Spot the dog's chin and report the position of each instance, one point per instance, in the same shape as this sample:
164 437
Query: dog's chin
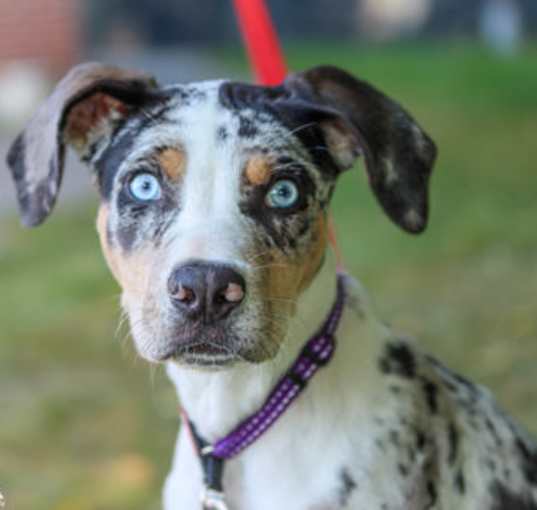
199 353
211 350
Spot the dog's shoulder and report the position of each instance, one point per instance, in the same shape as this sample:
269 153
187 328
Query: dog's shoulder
466 439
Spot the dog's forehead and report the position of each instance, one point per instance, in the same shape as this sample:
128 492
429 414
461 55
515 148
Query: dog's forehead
200 113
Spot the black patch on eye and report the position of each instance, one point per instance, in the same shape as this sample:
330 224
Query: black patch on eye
144 220
398 359
279 223
123 140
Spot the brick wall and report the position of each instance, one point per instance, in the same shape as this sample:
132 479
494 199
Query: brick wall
44 31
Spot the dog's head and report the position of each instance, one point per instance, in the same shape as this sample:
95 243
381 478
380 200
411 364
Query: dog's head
215 194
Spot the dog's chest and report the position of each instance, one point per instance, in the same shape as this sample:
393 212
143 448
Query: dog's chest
311 472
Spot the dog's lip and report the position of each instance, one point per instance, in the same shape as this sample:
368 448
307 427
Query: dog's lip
196 349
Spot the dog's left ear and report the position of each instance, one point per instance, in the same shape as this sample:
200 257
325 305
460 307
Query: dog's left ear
82 111
399 155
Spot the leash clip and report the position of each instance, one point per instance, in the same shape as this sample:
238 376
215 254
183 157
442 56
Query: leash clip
213 500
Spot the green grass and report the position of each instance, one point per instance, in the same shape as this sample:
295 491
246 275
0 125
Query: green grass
84 425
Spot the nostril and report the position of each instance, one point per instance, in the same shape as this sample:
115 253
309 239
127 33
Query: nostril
183 294
233 293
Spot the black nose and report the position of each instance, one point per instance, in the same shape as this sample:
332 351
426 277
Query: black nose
206 291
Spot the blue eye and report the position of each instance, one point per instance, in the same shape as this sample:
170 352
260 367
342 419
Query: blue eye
283 194
145 187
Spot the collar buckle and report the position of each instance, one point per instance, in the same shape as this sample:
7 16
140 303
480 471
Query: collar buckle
213 500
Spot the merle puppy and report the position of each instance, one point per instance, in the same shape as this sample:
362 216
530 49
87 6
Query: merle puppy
213 219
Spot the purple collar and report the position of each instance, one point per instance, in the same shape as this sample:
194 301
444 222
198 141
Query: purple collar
316 353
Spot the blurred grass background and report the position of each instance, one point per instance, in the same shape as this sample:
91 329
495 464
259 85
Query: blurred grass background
84 425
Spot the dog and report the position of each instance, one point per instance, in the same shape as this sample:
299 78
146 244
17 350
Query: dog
213 219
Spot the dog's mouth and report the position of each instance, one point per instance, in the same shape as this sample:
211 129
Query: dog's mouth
203 350
196 351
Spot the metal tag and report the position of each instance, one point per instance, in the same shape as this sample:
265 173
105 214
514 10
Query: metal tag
213 500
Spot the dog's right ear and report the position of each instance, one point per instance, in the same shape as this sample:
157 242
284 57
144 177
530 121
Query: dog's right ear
82 111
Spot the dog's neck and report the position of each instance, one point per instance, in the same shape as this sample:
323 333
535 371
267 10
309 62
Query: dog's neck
217 401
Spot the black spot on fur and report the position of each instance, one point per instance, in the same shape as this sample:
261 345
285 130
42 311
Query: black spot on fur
431 395
494 433
380 444
346 487
15 158
399 360
394 437
491 465
247 128
433 494
460 482
421 440
529 461
453 441
403 470
505 499
222 133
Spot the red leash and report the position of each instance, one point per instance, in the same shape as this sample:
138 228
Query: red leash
261 41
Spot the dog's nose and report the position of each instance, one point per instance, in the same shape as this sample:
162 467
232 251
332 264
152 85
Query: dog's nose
208 291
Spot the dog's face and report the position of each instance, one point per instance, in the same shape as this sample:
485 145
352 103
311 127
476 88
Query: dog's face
215 194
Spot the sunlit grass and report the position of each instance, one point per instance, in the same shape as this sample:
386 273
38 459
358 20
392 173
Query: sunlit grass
84 425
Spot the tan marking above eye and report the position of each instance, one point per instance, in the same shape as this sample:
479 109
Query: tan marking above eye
172 161
258 170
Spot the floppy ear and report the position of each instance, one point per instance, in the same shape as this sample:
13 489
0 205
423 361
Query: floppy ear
82 110
399 156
